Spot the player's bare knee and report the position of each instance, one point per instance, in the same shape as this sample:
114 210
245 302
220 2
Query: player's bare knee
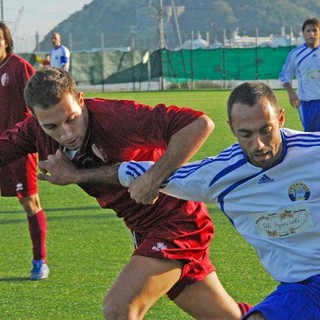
114 310
31 205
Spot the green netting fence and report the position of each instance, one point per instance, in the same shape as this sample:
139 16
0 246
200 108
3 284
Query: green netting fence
93 68
224 64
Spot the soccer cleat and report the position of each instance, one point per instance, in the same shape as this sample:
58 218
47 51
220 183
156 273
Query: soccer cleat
40 270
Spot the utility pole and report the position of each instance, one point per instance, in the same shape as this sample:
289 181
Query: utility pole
161 35
2 14
37 42
176 22
161 43
16 25
102 59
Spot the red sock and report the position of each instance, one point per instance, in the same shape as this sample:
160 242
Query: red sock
244 307
38 232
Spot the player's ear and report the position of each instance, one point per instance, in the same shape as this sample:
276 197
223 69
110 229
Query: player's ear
281 118
81 98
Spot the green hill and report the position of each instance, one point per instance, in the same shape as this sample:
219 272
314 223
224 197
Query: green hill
134 23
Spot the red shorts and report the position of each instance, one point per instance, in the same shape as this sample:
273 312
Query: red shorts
19 178
183 238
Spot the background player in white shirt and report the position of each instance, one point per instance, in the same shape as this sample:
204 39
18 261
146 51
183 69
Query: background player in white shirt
60 55
303 63
267 184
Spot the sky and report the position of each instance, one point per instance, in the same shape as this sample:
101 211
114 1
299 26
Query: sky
25 18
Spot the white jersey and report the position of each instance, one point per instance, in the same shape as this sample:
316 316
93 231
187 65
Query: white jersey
304 64
60 56
276 210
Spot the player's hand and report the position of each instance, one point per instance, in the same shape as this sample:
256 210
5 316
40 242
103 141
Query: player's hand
294 99
57 169
143 191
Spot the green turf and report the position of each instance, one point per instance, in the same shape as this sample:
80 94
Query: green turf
88 246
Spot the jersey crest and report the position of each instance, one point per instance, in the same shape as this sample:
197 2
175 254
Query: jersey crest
99 152
299 191
5 79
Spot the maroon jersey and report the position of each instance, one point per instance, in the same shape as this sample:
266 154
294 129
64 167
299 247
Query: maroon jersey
120 131
18 178
14 74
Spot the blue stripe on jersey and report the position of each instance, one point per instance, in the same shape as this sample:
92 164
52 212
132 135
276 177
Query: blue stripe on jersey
304 146
185 171
303 140
300 48
230 150
233 186
227 170
304 57
130 174
302 135
136 169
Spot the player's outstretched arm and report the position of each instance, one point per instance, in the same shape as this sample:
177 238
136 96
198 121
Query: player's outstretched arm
59 170
190 182
182 146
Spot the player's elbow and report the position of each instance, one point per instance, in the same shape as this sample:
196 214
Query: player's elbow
207 124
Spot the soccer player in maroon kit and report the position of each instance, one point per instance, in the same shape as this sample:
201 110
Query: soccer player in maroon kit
83 137
20 177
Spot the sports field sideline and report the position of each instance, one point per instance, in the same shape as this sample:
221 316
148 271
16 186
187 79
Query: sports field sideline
85 265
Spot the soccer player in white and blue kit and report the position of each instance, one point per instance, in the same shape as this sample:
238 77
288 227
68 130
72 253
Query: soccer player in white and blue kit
267 184
60 55
303 63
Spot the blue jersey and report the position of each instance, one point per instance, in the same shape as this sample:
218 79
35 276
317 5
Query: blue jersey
277 210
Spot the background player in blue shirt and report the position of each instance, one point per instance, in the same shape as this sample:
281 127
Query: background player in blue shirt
303 63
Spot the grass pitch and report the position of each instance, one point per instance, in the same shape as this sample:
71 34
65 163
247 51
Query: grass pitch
88 246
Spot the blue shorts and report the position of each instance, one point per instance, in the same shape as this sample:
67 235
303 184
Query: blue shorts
309 112
294 301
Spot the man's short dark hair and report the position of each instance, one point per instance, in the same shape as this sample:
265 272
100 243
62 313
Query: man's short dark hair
250 93
48 86
311 21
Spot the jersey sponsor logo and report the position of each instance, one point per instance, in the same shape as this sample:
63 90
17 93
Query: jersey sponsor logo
4 79
313 74
160 246
288 222
299 191
265 179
